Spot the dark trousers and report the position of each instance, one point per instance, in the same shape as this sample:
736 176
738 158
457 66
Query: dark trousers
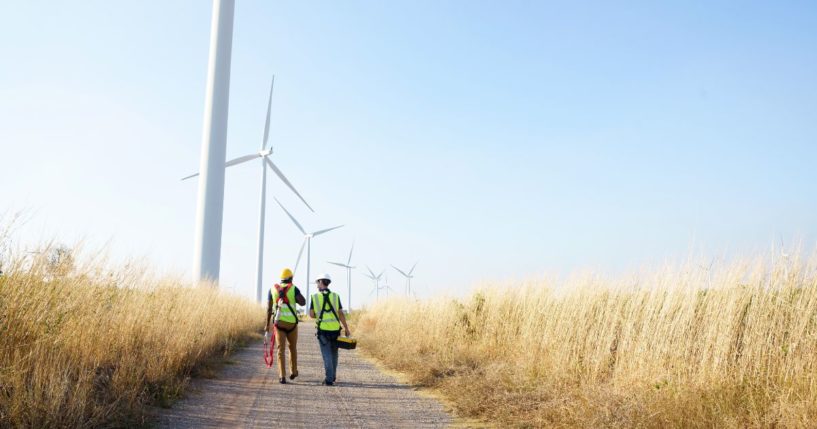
329 352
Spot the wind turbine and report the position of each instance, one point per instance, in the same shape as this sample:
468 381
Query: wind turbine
307 242
210 204
376 279
386 286
263 155
349 269
408 277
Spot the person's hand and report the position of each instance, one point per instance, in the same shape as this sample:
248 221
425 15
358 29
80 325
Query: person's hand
347 332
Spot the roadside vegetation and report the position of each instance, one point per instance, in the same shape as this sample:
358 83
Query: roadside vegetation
686 347
86 346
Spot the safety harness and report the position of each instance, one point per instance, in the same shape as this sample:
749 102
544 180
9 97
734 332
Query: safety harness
326 302
282 297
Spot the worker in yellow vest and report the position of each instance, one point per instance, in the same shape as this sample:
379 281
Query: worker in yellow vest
326 309
282 317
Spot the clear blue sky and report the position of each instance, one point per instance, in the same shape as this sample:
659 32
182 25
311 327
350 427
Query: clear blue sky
488 140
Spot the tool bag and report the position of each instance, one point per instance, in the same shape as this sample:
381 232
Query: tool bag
346 343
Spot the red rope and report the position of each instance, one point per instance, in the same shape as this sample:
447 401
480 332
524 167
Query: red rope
268 351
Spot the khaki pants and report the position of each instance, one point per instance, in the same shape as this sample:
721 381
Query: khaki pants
282 337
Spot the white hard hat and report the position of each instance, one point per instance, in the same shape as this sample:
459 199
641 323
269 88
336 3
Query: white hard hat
326 277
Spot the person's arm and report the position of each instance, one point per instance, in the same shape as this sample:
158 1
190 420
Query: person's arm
343 321
299 298
311 309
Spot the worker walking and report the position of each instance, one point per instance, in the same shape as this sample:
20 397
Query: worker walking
281 304
326 309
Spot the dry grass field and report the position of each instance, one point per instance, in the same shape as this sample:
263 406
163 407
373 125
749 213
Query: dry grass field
686 347
87 347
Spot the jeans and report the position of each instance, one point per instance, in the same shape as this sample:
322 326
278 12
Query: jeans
329 352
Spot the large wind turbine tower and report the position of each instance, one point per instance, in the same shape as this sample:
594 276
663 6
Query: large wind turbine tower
210 206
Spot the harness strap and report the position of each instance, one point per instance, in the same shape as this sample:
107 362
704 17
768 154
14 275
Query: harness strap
326 301
286 330
320 316
283 297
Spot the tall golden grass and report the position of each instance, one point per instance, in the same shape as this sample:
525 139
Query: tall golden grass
87 347
680 348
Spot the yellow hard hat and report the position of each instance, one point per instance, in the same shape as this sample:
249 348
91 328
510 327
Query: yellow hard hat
286 274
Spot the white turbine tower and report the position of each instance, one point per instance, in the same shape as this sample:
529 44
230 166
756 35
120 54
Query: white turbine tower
408 277
210 205
376 279
307 242
349 269
263 155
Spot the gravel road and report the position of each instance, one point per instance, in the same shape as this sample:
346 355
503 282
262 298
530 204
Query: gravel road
246 394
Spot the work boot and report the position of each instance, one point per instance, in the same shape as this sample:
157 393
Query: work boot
293 375
283 380
327 383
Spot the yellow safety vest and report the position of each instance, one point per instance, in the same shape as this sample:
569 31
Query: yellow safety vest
282 310
324 316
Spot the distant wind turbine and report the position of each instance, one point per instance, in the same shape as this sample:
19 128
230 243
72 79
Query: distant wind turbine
307 242
408 277
386 286
263 154
349 269
376 279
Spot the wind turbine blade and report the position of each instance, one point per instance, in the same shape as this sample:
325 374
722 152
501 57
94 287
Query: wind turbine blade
317 233
400 271
290 216
381 274
338 264
300 252
286 182
269 112
241 159
413 267
229 163
349 261
370 272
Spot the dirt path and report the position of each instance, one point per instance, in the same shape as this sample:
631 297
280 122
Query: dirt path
246 394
